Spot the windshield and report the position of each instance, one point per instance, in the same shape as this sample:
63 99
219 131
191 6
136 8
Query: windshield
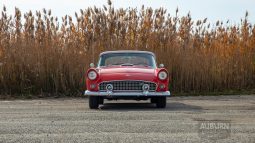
127 59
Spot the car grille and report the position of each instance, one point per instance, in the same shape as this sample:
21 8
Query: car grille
127 85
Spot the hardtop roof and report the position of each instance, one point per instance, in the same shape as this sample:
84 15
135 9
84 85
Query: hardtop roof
127 51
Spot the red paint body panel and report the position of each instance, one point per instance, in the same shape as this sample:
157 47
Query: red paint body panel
127 73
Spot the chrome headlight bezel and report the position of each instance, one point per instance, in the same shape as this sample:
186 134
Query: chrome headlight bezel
162 75
92 75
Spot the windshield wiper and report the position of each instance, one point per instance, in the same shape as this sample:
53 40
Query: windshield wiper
127 64
142 65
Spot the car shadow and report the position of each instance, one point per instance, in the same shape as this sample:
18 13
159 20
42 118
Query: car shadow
172 106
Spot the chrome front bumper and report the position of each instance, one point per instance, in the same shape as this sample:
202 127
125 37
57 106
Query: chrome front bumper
92 93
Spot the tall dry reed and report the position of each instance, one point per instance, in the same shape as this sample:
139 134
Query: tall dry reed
40 53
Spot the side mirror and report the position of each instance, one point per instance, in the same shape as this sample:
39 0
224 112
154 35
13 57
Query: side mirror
161 65
92 65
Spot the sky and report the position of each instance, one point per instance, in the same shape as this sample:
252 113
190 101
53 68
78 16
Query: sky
224 10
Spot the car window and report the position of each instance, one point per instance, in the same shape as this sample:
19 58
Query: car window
127 59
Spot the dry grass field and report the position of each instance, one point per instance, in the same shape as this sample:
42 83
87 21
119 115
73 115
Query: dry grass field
40 53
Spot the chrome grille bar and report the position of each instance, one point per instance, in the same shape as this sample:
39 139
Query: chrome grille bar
127 85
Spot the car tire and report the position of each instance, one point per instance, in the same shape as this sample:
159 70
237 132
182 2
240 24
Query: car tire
161 102
93 102
101 100
153 100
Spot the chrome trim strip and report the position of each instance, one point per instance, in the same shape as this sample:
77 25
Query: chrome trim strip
93 93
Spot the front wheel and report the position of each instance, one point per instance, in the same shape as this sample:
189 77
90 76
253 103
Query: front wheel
153 100
93 102
161 102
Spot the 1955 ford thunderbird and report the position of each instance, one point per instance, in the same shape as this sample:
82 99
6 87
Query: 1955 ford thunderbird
127 75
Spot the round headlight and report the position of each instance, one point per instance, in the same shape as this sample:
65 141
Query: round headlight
162 75
92 75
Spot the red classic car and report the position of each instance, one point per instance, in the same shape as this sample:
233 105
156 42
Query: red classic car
127 75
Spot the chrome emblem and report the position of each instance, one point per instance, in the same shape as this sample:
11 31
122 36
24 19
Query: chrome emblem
109 87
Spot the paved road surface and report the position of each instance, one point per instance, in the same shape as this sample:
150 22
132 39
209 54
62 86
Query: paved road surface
186 119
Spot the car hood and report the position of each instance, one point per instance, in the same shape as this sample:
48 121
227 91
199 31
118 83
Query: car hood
127 73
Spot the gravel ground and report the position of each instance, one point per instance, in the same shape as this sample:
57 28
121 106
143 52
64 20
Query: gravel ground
186 119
